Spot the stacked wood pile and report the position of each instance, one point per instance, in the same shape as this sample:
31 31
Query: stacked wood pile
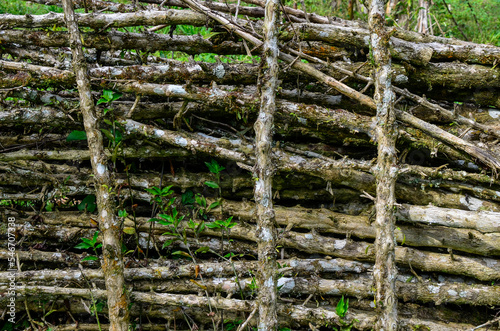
186 128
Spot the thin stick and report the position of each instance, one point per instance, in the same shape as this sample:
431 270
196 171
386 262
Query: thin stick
454 21
242 326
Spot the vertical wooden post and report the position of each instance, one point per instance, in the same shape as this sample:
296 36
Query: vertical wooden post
386 172
264 171
109 224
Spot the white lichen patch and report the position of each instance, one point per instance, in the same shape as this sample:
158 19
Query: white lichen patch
340 244
219 71
101 169
471 202
182 142
286 285
434 289
176 89
491 263
308 236
217 281
401 79
269 282
494 113
159 133
159 91
452 293
266 235
194 68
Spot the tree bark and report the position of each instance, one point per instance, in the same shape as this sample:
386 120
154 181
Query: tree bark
386 173
263 172
109 224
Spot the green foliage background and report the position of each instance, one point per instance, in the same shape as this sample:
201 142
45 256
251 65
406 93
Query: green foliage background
486 30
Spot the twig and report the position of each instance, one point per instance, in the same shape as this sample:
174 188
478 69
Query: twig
242 326
487 323
454 21
136 102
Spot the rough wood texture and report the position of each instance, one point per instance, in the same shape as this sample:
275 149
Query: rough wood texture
109 224
386 173
263 172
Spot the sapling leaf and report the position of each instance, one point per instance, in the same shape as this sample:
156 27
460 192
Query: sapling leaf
129 230
212 184
83 246
90 258
202 250
89 203
76 135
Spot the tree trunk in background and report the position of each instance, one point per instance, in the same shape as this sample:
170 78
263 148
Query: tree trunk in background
386 173
108 222
264 171
423 16
391 7
350 9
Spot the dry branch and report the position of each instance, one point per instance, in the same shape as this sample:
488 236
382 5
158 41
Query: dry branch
483 155
101 20
355 286
482 268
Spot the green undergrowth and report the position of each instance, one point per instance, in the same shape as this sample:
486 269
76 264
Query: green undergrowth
478 19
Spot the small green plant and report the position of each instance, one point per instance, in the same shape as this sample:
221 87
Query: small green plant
90 243
203 207
216 169
231 325
341 310
109 96
342 307
88 204
161 197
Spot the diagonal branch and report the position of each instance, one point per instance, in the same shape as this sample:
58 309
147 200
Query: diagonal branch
484 156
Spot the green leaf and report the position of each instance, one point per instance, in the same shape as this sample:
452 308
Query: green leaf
76 135
202 250
88 242
213 225
181 253
129 230
213 205
188 198
83 246
212 184
108 134
214 167
342 307
210 35
89 202
116 96
118 136
90 258
94 238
